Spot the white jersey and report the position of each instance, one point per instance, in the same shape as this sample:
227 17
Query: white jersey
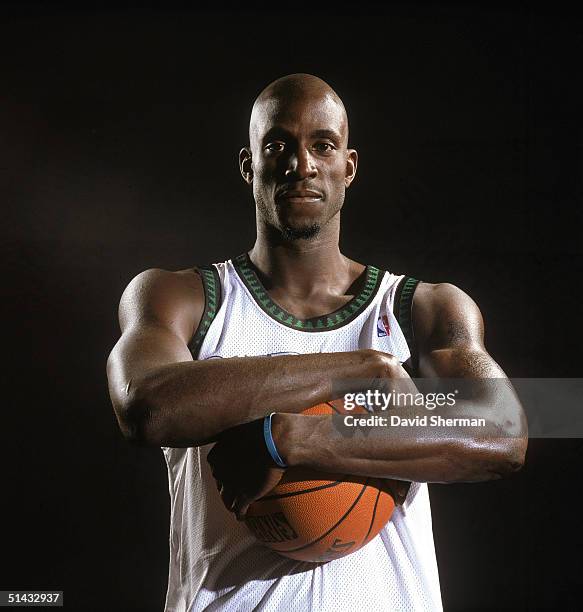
216 564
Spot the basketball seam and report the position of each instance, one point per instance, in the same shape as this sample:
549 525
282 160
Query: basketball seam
374 512
292 493
333 408
354 503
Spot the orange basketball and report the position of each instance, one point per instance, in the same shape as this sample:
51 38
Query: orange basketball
316 516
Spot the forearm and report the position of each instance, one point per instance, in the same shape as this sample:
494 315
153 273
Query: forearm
417 453
190 403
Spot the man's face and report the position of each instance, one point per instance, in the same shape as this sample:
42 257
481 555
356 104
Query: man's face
298 163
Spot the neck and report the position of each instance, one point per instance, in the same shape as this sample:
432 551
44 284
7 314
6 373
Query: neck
303 266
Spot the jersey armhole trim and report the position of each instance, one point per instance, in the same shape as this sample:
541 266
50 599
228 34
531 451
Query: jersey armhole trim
212 300
403 309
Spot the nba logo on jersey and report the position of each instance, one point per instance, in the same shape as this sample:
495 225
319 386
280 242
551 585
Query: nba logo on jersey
383 327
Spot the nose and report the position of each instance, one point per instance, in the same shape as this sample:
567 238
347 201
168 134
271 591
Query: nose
300 166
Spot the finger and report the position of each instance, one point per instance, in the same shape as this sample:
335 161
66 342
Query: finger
229 499
241 510
402 491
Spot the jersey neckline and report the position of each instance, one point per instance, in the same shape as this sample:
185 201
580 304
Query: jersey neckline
334 320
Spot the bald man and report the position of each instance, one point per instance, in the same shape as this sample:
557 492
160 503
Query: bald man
207 354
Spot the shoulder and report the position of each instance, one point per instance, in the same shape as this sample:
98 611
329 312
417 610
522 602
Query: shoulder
444 315
169 298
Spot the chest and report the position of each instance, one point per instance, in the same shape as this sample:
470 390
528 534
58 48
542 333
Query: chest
246 326
309 307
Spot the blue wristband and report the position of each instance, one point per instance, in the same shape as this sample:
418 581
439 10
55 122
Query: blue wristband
270 443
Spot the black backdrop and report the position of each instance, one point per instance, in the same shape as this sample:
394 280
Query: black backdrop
120 130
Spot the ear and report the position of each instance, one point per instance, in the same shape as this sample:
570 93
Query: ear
246 165
351 164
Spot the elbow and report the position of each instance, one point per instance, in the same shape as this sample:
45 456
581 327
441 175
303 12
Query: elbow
498 459
501 456
480 460
131 431
133 400
511 448
512 456
135 420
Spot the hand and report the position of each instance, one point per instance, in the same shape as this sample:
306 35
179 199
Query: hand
242 467
398 490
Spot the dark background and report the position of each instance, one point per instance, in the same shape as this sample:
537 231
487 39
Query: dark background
119 132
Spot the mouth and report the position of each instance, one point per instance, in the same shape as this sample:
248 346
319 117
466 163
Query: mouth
300 196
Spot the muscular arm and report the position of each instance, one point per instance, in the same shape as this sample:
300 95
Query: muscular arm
162 397
449 330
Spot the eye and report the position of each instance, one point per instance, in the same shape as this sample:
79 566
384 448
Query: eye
274 147
324 147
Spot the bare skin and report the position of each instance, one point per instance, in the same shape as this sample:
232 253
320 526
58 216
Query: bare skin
299 166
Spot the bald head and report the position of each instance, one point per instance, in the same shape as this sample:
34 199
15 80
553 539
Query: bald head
293 90
298 162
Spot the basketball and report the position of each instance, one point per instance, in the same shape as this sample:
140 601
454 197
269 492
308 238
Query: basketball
316 516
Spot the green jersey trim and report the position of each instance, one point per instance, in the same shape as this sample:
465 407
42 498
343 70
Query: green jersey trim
402 309
212 300
328 322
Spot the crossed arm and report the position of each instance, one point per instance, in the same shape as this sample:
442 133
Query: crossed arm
450 332
162 397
